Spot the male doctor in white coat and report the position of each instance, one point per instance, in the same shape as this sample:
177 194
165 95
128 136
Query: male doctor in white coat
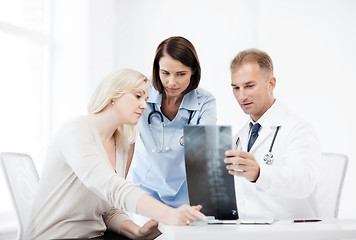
276 156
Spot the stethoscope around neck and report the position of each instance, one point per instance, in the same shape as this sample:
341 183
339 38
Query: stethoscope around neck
268 158
159 148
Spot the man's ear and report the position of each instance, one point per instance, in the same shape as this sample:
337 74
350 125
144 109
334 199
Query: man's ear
271 84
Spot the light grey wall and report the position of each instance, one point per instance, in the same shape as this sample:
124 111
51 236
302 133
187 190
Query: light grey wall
312 44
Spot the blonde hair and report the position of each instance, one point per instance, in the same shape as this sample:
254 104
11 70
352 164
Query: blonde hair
113 86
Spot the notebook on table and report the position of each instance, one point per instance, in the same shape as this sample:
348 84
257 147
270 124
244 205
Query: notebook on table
209 183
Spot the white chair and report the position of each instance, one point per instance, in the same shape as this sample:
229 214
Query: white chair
22 180
327 194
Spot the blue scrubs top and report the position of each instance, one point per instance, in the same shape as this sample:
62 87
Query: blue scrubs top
162 174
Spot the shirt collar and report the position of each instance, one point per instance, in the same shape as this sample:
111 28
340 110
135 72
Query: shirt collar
189 102
155 96
274 116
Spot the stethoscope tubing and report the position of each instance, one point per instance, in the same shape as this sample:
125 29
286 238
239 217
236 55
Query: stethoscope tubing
149 119
271 146
154 111
274 138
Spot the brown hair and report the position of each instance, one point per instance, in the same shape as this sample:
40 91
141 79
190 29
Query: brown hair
263 60
182 50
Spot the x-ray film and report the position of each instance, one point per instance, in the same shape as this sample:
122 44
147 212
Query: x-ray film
209 183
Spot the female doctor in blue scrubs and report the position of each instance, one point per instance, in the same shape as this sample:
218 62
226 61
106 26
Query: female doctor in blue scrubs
175 100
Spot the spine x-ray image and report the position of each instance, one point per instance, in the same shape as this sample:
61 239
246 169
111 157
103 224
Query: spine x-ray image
209 183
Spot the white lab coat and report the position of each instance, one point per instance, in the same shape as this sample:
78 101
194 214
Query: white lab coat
283 188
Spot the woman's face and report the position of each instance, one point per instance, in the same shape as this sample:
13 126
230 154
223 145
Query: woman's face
131 105
174 75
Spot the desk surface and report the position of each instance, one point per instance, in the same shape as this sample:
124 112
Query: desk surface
332 229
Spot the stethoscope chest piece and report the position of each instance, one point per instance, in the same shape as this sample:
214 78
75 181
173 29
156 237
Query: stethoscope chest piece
160 149
268 158
181 141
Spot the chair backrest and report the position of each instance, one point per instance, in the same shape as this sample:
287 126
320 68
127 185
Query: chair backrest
22 180
327 193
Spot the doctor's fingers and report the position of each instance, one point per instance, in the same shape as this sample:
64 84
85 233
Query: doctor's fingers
248 155
242 167
236 172
233 160
232 153
249 175
237 167
249 167
238 160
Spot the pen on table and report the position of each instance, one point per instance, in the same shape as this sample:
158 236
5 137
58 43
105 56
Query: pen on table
306 220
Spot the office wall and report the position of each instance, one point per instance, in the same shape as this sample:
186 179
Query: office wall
83 50
312 44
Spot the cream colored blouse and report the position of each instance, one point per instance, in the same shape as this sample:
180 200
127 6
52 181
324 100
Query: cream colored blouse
79 194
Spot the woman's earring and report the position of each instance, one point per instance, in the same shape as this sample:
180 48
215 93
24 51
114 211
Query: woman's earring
112 102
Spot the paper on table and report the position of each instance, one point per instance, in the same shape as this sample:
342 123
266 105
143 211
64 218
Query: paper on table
257 221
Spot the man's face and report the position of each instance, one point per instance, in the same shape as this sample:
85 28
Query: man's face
252 89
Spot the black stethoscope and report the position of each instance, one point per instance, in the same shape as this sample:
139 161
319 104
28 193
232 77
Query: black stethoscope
268 158
149 119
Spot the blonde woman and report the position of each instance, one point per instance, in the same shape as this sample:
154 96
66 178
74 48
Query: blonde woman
83 192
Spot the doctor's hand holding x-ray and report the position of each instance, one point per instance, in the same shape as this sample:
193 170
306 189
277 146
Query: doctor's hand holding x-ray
276 154
242 164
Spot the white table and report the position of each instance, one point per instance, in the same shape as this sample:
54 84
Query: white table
328 229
